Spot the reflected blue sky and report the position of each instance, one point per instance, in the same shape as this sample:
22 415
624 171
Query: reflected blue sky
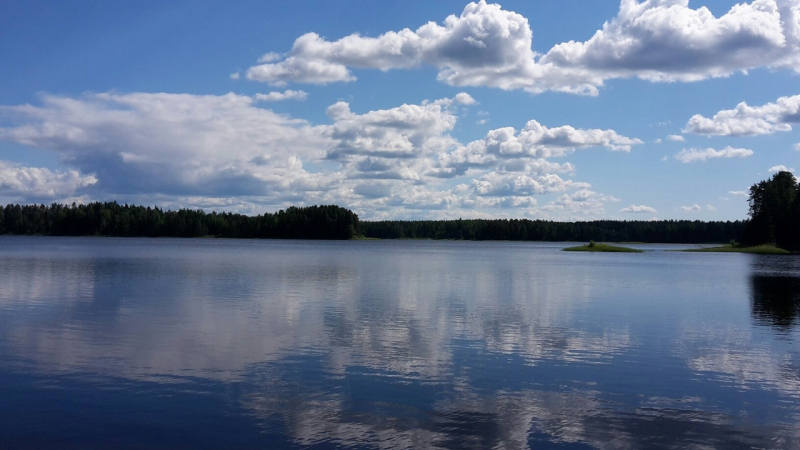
210 343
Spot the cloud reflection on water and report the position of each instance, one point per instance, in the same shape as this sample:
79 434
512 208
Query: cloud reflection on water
405 346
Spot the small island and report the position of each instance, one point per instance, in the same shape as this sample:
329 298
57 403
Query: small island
765 249
593 247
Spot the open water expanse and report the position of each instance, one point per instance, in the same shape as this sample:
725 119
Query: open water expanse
202 343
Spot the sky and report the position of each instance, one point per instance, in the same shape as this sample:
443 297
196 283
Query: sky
568 110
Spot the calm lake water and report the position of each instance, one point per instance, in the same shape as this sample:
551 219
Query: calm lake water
167 343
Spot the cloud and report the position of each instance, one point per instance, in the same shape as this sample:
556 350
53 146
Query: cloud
797 147
665 41
403 132
638 209
226 152
39 183
536 139
496 184
655 40
780 168
693 208
747 120
269 57
528 148
710 208
464 99
580 204
280 96
694 155
485 45
234 76
738 193
173 144
675 138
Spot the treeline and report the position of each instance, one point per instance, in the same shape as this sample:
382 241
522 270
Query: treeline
333 222
775 213
774 219
663 231
113 219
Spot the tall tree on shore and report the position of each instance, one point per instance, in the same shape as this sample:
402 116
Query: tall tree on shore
774 212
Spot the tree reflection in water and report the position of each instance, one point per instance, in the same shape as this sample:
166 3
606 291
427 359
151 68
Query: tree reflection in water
775 299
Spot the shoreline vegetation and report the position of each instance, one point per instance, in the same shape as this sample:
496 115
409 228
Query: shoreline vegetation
605 248
334 222
115 220
765 249
771 230
774 216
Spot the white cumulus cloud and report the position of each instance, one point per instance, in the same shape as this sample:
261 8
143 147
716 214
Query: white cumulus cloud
692 208
694 155
666 40
536 139
580 204
655 40
529 147
780 168
41 183
675 138
746 120
225 151
280 96
401 132
173 144
639 209
464 99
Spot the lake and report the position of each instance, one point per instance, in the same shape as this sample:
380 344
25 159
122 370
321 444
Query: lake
212 343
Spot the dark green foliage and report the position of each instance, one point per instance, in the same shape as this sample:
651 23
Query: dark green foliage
664 231
333 222
765 249
774 213
602 248
112 219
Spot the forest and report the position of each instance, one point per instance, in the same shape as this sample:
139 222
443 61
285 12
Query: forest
662 231
113 219
333 222
774 219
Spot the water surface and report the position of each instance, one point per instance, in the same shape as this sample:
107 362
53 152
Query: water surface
169 343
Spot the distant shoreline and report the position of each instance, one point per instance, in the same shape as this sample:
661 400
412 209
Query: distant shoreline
355 239
334 222
712 247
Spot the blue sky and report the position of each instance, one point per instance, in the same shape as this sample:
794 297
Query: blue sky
568 110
